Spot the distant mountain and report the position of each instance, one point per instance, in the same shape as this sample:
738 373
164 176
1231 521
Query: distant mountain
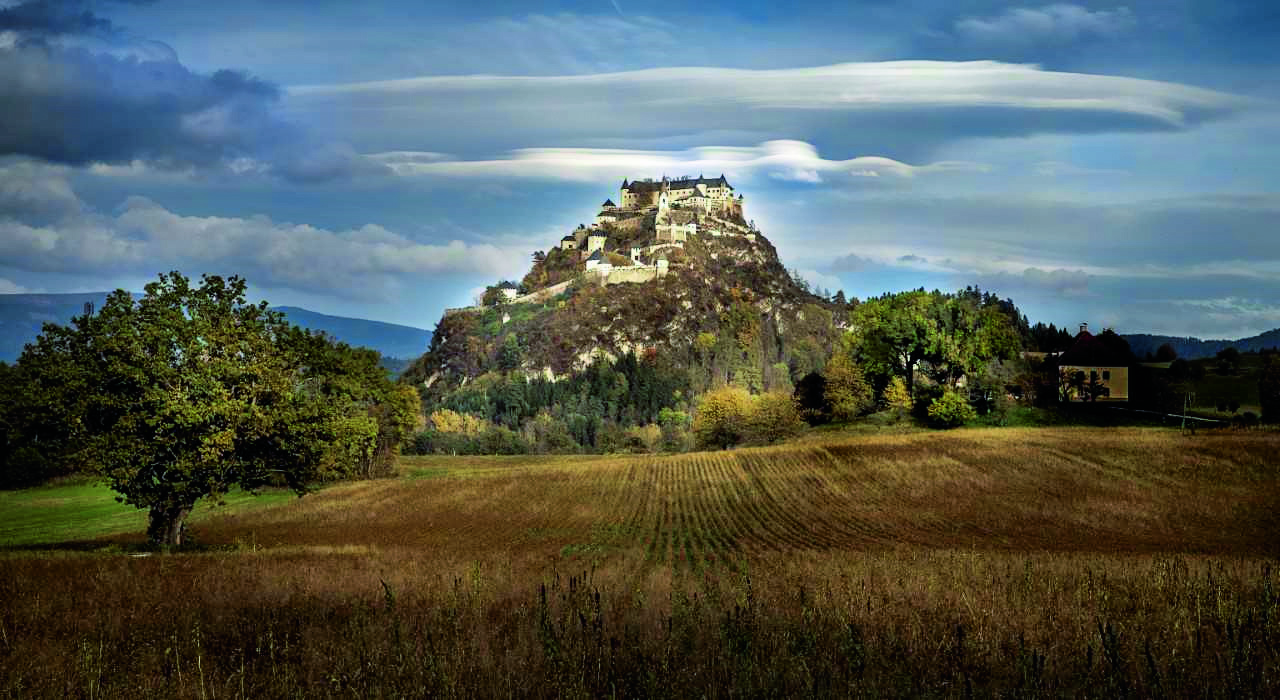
1194 348
390 339
23 315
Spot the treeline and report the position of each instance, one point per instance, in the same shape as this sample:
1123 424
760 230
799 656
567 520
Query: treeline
629 403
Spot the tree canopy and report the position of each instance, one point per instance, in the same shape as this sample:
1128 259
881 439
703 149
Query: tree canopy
952 336
189 391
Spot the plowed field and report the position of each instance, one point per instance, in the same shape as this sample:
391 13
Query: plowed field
1070 490
1010 563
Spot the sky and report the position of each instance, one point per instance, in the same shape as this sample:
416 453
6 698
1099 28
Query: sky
1105 162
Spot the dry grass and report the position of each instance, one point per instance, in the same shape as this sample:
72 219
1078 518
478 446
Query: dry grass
1016 561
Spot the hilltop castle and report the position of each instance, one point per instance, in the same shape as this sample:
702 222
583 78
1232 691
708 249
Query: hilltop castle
709 195
673 207
641 239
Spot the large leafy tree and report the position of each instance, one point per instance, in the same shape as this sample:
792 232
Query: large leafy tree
953 336
189 391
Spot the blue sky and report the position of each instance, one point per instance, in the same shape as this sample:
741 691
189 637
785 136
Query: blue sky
1109 162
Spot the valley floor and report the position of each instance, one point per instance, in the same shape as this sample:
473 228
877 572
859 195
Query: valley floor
1076 561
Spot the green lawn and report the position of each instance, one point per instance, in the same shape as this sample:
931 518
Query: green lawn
79 510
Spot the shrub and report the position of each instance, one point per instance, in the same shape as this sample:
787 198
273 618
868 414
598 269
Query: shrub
774 416
721 420
897 397
951 410
847 393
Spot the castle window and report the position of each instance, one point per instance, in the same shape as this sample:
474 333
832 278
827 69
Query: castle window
1106 375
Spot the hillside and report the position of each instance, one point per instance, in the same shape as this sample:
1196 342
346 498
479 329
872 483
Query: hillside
23 315
720 307
1195 348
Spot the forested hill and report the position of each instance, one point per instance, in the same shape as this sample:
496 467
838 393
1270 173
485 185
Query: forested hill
1194 348
23 315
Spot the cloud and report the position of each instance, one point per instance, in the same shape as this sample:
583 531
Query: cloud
52 18
845 106
782 159
1234 311
821 280
35 191
10 287
1059 23
73 92
142 237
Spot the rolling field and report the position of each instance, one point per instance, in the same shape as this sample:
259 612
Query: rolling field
1056 561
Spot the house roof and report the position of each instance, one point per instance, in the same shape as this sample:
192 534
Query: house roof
1089 351
608 203
598 255
681 184
597 233
568 238
508 285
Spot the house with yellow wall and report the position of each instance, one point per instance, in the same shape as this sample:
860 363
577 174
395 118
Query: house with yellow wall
1091 370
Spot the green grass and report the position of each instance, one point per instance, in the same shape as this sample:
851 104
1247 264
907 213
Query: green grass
80 510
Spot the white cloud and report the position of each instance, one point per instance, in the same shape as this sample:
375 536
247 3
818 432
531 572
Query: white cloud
784 160
10 287
34 189
841 101
368 262
821 280
1058 23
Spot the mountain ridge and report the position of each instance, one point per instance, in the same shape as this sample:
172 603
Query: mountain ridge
23 315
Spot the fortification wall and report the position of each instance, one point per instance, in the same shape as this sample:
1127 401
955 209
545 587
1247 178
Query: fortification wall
627 225
622 275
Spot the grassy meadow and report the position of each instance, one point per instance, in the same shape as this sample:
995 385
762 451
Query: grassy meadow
1019 561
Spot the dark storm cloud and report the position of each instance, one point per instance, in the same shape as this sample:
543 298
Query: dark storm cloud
75 106
68 95
42 18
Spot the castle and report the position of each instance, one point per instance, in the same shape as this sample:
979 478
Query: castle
677 206
637 240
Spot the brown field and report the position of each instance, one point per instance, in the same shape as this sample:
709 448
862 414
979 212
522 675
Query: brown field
1024 562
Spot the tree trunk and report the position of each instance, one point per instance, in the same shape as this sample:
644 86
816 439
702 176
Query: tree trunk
168 524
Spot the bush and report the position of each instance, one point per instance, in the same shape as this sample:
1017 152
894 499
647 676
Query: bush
897 397
774 416
848 395
951 410
721 420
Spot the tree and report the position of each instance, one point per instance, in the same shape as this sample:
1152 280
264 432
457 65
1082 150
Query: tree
190 391
774 416
1166 353
847 393
1269 389
721 419
1228 360
953 336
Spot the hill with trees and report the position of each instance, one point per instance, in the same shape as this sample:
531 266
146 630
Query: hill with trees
726 348
1195 348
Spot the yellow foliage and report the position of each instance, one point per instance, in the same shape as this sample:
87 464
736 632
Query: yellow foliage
447 421
721 420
